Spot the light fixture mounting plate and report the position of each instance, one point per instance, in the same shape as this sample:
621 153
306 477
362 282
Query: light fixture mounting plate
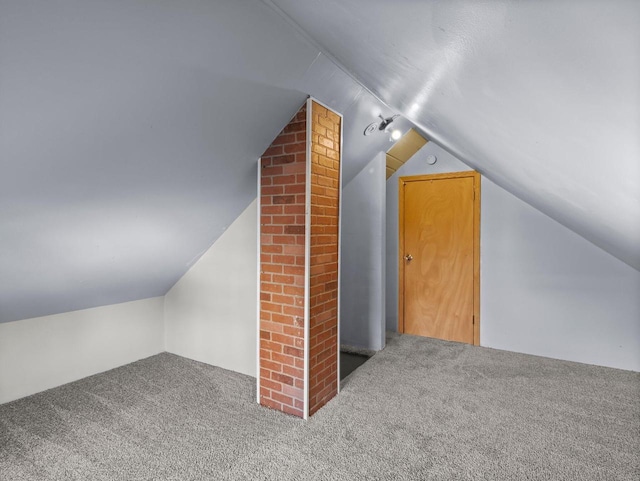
371 128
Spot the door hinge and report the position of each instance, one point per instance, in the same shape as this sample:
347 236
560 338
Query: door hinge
473 320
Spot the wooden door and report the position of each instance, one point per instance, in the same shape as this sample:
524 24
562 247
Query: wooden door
439 256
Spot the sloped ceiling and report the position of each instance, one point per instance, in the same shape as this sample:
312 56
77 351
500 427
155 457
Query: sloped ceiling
129 137
541 97
130 130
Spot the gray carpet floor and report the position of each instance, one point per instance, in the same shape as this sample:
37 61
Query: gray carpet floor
421 409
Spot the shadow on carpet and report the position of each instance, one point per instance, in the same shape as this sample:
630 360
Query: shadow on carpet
420 409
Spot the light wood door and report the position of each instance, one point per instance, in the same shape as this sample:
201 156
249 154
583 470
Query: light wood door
438 256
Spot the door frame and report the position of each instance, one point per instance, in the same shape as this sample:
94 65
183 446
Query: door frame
402 181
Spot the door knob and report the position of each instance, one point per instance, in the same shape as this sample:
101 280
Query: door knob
408 257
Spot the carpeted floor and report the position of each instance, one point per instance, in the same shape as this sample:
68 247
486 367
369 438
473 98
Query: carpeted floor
421 409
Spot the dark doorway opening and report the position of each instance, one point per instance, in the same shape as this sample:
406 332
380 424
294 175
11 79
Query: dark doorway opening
349 362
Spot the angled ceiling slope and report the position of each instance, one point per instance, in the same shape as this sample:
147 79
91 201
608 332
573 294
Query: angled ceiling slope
405 148
129 138
541 97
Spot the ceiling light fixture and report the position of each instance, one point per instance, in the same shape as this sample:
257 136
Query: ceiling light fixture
396 134
381 126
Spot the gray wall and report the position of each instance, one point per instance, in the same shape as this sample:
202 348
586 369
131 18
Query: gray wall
362 267
544 289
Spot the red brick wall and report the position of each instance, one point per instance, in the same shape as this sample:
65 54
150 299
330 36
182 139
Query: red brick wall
325 189
282 251
282 263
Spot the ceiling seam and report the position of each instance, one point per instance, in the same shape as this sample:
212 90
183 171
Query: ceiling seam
322 50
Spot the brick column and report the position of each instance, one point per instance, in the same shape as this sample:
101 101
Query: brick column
299 187
325 194
282 268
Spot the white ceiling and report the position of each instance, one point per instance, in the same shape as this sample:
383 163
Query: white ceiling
541 97
130 130
129 136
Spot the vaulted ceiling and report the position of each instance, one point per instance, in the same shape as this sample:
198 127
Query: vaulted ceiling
541 97
130 133
130 130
